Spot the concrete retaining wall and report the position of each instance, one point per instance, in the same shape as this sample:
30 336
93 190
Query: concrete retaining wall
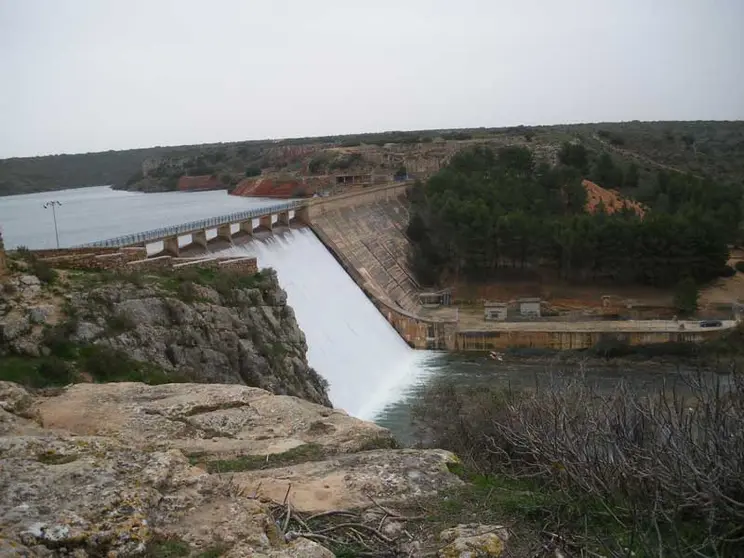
566 340
318 206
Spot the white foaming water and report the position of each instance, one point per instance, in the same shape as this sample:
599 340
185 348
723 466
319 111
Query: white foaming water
349 342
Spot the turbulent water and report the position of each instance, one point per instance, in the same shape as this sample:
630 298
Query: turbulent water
349 342
372 373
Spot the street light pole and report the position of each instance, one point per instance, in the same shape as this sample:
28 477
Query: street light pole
52 204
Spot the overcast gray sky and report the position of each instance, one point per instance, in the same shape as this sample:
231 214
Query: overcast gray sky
91 75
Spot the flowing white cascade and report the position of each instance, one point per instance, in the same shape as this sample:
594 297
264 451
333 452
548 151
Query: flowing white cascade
350 344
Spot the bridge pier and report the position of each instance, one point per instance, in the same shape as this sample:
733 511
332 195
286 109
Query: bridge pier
283 219
170 246
224 232
199 238
302 215
265 222
247 227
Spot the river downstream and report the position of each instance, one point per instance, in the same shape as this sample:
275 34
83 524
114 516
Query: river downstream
474 371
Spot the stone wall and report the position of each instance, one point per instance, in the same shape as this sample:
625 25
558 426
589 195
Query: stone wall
157 263
57 252
243 266
135 258
95 261
206 263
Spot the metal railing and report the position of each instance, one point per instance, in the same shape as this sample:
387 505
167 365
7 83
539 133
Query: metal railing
193 226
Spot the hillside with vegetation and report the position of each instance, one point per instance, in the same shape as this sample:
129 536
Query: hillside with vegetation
491 210
705 149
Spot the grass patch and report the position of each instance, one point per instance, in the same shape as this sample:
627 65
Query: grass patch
379 442
167 548
300 454
214 551
51 457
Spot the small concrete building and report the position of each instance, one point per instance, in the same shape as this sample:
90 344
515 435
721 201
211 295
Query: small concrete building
529 307
495 311
433 300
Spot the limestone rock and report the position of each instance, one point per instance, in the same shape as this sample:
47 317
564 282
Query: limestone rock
15 399
28 286
345 481
86 332
248 336
473 541
107 476
216 420
41 313
13 325
28 280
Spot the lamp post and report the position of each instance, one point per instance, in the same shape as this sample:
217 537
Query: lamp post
52 204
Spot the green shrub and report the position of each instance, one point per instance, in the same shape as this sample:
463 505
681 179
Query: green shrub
24 253
728 271
42 270
57 339
187 291
119 323
36 372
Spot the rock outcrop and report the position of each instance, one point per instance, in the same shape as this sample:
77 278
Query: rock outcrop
243 333
126 469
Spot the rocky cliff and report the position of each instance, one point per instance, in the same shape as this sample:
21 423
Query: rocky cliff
127 469
200 326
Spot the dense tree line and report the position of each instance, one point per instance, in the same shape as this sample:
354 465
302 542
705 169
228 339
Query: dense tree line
488 210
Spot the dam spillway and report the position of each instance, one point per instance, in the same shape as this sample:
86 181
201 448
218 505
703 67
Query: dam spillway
349 342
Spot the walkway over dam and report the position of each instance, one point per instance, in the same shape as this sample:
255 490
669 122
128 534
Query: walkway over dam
247 222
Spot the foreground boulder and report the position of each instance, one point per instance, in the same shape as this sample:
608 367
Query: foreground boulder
126 469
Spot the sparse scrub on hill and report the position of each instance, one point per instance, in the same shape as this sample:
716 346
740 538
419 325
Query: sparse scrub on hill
611 474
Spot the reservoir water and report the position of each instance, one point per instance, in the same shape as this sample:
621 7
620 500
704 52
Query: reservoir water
97 213
372 373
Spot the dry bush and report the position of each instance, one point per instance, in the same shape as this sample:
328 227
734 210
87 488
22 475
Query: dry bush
666 468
